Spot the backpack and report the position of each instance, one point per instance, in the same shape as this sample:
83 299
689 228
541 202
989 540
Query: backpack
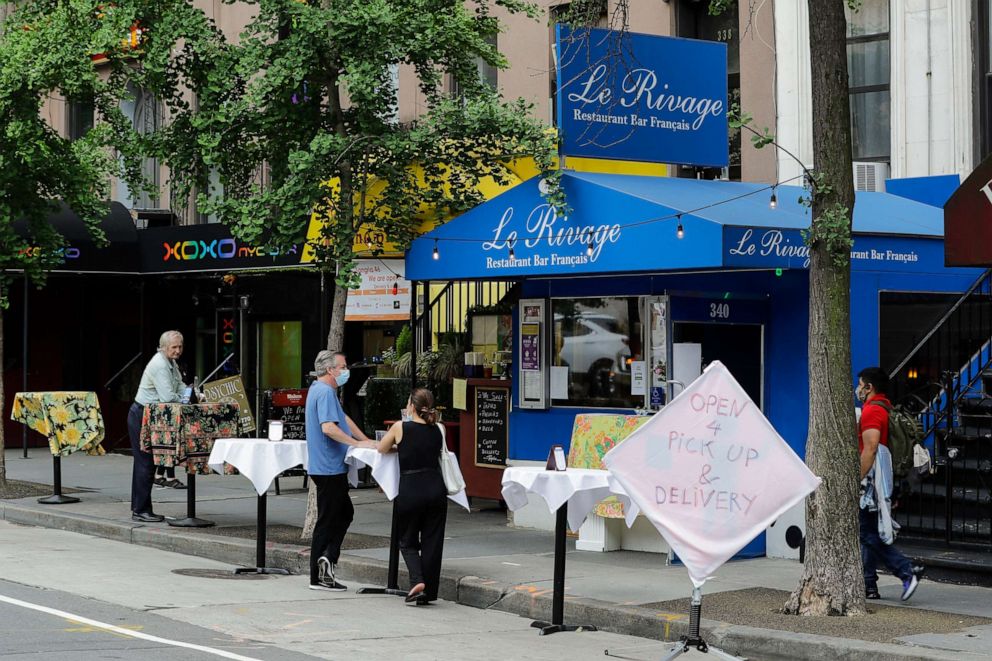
905 433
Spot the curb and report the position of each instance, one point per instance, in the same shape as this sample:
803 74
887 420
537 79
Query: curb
525 601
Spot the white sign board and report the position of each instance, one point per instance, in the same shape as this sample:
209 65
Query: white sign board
374 299
710 472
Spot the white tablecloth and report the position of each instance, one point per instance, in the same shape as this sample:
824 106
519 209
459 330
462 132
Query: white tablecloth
386 471
258 459
581 488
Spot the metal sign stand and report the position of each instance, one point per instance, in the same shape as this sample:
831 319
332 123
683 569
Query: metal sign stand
693 639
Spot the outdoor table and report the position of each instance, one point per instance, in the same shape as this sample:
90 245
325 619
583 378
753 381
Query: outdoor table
572 494
386 472
185 433
260 460
71 421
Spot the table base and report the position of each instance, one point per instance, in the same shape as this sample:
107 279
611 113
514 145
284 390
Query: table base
392 573
262 570
57 499
190 522
548 628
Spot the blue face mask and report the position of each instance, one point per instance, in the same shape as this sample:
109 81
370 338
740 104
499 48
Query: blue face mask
343 377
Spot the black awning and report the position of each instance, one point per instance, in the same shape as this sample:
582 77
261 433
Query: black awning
82 253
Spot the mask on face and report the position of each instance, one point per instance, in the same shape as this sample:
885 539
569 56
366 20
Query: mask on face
860 393
343 377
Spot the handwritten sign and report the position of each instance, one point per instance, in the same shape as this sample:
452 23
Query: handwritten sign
492 408
232 391
289 406
710 472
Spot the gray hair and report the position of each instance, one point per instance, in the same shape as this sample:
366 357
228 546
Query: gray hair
325 360
167 338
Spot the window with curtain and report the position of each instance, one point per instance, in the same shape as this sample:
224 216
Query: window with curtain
868 80
596 339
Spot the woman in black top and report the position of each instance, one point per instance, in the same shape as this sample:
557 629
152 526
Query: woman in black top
422 502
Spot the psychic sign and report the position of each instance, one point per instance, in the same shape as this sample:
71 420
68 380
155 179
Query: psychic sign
710 472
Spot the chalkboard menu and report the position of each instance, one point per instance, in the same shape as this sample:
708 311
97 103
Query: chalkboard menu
492 408
290 407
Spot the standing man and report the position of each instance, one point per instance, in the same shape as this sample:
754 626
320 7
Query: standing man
329 433
161 382
873 431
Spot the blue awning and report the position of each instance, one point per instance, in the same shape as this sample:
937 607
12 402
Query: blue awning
628 224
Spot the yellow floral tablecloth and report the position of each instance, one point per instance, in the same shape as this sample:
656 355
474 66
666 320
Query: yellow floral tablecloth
595 434
71 420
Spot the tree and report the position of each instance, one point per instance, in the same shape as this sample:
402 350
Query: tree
45 51
299 119
832 582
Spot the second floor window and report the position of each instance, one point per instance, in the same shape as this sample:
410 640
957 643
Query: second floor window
868 80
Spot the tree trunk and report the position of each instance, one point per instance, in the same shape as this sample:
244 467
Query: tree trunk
335 332
832 581
3 401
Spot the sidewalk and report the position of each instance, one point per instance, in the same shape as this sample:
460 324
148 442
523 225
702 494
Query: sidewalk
491 565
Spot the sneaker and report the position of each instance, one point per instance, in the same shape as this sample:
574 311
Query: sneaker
325 573
919 570
175 484
329 585
909 587
872 593
160 482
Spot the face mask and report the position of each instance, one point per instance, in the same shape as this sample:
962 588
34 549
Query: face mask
860 394
343 377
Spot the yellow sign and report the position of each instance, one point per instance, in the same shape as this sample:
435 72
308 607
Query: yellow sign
231 391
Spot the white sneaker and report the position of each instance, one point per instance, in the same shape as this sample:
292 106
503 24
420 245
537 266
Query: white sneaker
909 587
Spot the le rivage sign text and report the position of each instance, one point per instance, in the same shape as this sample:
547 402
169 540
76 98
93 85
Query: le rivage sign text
543 226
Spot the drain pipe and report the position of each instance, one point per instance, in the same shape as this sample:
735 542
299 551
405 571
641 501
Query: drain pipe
929 95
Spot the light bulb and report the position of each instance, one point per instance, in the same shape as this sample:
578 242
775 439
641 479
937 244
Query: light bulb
679 231
396 287
773 202
436 255
511 252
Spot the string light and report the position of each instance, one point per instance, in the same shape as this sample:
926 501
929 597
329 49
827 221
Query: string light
589 246
679 231
436 255
396 286
511 251
773 202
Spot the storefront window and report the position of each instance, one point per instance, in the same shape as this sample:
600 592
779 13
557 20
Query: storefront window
596 339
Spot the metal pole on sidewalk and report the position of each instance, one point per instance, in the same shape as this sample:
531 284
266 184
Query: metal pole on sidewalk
24 361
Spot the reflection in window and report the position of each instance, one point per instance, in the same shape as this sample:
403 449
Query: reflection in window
596 339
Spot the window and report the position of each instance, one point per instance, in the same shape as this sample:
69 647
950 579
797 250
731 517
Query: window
983 70
280 348
596 339
868 80
488 74
79 118
145 113
694 21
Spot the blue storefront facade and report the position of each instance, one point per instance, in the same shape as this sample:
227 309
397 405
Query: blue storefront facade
727 270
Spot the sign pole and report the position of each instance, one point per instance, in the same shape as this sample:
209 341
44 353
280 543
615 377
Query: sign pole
694 639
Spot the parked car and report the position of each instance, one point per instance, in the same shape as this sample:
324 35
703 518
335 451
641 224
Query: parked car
591 342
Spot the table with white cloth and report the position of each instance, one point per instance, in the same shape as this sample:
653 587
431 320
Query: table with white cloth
386 472
260 460
571 494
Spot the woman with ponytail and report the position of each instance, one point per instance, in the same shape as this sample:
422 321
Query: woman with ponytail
422 503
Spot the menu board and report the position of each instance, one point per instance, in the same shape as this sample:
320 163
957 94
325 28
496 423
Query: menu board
492 415
290 407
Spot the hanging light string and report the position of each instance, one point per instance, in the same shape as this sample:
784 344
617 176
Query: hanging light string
647 221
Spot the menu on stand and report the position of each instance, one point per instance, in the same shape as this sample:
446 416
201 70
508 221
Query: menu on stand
492 408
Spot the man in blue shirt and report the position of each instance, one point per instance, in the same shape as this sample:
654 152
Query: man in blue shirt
329 433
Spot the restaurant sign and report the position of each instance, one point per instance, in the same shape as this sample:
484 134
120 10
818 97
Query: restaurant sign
629 96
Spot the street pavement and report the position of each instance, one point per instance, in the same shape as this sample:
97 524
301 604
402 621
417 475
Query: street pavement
488 564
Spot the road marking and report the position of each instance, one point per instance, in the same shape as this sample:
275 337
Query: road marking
512 564
125 632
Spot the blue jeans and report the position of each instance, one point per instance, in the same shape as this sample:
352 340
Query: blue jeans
143 469
875 551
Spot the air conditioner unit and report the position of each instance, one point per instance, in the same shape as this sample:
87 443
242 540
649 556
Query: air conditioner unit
870 176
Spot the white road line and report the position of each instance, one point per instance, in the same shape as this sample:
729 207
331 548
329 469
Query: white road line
125 632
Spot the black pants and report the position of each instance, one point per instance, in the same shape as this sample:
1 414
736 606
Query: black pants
143 471
422 508
334 514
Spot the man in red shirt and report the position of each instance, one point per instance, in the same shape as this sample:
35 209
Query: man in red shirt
873 430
